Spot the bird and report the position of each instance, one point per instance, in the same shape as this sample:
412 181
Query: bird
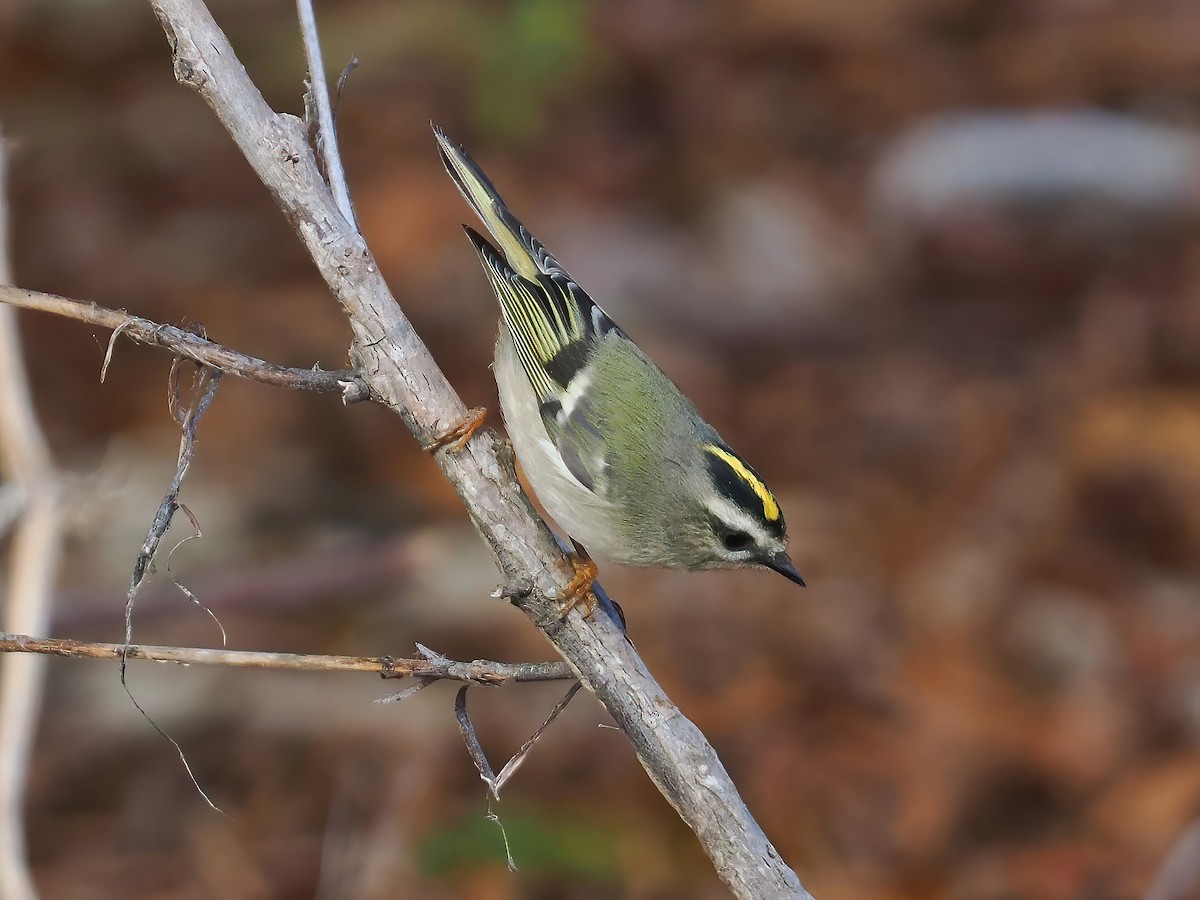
618 456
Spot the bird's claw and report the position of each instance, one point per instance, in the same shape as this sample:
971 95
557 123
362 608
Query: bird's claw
578 591
456 437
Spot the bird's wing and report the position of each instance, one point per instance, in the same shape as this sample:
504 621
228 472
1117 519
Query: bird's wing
555 325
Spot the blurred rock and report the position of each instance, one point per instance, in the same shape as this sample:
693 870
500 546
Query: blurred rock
765 259
626 262
1040 163
777 258
1057 637
978 189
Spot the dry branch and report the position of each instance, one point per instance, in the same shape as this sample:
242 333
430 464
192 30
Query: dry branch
479 671
184 342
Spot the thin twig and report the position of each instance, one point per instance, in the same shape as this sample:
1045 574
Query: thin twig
518 759
467 729
184 589
327 147
479 671
204 390
342 81
33 566
401 373
181 341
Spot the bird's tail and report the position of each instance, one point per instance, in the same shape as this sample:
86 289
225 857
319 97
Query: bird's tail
524 253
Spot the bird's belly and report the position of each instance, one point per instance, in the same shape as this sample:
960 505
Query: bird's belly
586 517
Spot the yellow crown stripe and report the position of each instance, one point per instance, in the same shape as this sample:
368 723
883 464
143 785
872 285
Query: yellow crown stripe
770 506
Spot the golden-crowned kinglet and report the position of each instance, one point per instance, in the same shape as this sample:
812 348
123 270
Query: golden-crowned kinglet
618 456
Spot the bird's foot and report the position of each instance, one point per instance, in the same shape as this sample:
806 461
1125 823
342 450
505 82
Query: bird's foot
578 591
456 438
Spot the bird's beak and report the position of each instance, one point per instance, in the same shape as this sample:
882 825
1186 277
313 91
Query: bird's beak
782 564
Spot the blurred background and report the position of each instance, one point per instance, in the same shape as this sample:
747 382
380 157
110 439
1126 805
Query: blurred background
932 265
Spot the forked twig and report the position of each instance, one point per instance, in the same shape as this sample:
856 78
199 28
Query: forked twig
188 418
204 390
495 782
491 779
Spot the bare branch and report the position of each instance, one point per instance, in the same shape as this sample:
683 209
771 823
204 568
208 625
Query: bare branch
479 671
327 147
401 373
34 564
185 343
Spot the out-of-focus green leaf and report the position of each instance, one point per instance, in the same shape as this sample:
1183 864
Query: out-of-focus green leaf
540 846
526 53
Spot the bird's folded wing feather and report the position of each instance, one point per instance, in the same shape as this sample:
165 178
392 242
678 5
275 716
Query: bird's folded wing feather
554 324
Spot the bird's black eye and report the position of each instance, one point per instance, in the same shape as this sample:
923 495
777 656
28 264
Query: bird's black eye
736 540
